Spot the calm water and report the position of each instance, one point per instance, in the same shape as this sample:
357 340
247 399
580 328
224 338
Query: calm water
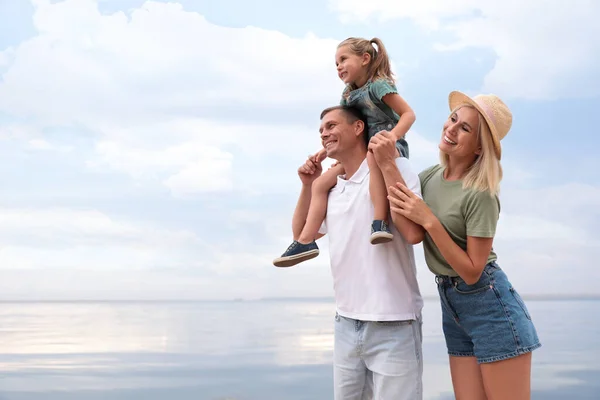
242 350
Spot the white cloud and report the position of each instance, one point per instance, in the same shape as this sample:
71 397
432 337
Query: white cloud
548 235
191 156
545 49
527 227
41 144
163 105
60 237
150 88
426 13
15 131
193 167
6 56
202 176
143 65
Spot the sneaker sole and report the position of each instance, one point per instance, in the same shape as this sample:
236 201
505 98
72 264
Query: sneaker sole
378 238
284 262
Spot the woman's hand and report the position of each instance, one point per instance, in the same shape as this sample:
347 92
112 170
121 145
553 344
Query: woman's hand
404 202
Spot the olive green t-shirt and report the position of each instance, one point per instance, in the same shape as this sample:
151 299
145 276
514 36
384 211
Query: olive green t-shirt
462 212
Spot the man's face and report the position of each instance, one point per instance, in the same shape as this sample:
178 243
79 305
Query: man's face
337 134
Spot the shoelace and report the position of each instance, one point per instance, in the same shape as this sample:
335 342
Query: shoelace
291 246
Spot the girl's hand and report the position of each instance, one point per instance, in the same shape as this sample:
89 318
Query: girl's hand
404 202
309 171
320 156
383 146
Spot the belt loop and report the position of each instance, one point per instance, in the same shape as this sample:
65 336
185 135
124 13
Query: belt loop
491 266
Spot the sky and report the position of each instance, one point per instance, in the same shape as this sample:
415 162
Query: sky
148 149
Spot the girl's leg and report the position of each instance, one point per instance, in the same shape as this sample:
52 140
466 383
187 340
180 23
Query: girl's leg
466 379
303 247
380 232
508 379
318 203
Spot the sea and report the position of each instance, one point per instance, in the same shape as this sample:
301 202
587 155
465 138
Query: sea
279 349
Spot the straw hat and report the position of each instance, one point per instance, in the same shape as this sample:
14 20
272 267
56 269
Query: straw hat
494 111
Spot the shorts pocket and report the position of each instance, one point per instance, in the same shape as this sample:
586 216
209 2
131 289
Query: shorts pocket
462 288
482 285
520 301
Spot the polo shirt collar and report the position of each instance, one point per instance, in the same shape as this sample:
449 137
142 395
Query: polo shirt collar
359 175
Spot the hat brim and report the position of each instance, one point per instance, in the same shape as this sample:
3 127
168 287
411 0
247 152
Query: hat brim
457 98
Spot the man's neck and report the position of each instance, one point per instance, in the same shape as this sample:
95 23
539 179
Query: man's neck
353 160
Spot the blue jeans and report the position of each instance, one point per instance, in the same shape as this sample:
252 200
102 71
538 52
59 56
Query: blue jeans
377 360
487 320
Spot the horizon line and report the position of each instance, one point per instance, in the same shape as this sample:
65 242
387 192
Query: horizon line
534 297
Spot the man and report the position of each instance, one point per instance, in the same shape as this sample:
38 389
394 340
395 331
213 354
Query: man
377 347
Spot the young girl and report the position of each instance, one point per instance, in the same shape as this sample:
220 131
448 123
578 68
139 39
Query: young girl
363 65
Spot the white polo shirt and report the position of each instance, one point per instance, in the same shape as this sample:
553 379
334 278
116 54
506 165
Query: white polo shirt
371 282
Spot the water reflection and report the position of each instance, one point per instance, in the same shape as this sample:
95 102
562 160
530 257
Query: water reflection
72 328
249 350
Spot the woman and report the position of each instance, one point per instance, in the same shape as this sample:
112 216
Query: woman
488 330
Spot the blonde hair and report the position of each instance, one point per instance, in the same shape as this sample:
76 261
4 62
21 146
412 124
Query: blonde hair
486 172
379 66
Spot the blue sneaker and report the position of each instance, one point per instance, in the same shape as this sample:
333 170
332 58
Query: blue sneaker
296 253
380 232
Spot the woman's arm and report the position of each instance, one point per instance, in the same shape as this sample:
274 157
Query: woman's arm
468 264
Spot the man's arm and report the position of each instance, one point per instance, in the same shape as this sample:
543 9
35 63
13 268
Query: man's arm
383 146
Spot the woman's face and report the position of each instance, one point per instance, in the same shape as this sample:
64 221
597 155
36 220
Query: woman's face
460 136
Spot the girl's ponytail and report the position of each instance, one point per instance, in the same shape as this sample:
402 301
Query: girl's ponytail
380 67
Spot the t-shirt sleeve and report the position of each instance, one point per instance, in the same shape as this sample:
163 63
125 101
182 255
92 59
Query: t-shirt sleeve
409 175
481 214
381 87
426 174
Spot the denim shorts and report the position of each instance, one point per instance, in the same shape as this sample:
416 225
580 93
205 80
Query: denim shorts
401 144
487 320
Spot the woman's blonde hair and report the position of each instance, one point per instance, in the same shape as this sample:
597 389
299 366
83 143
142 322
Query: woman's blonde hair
486 172
379 66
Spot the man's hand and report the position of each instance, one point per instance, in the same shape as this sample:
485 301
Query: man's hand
309 171
383 147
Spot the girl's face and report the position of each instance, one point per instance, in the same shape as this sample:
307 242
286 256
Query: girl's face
351 68
460 136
